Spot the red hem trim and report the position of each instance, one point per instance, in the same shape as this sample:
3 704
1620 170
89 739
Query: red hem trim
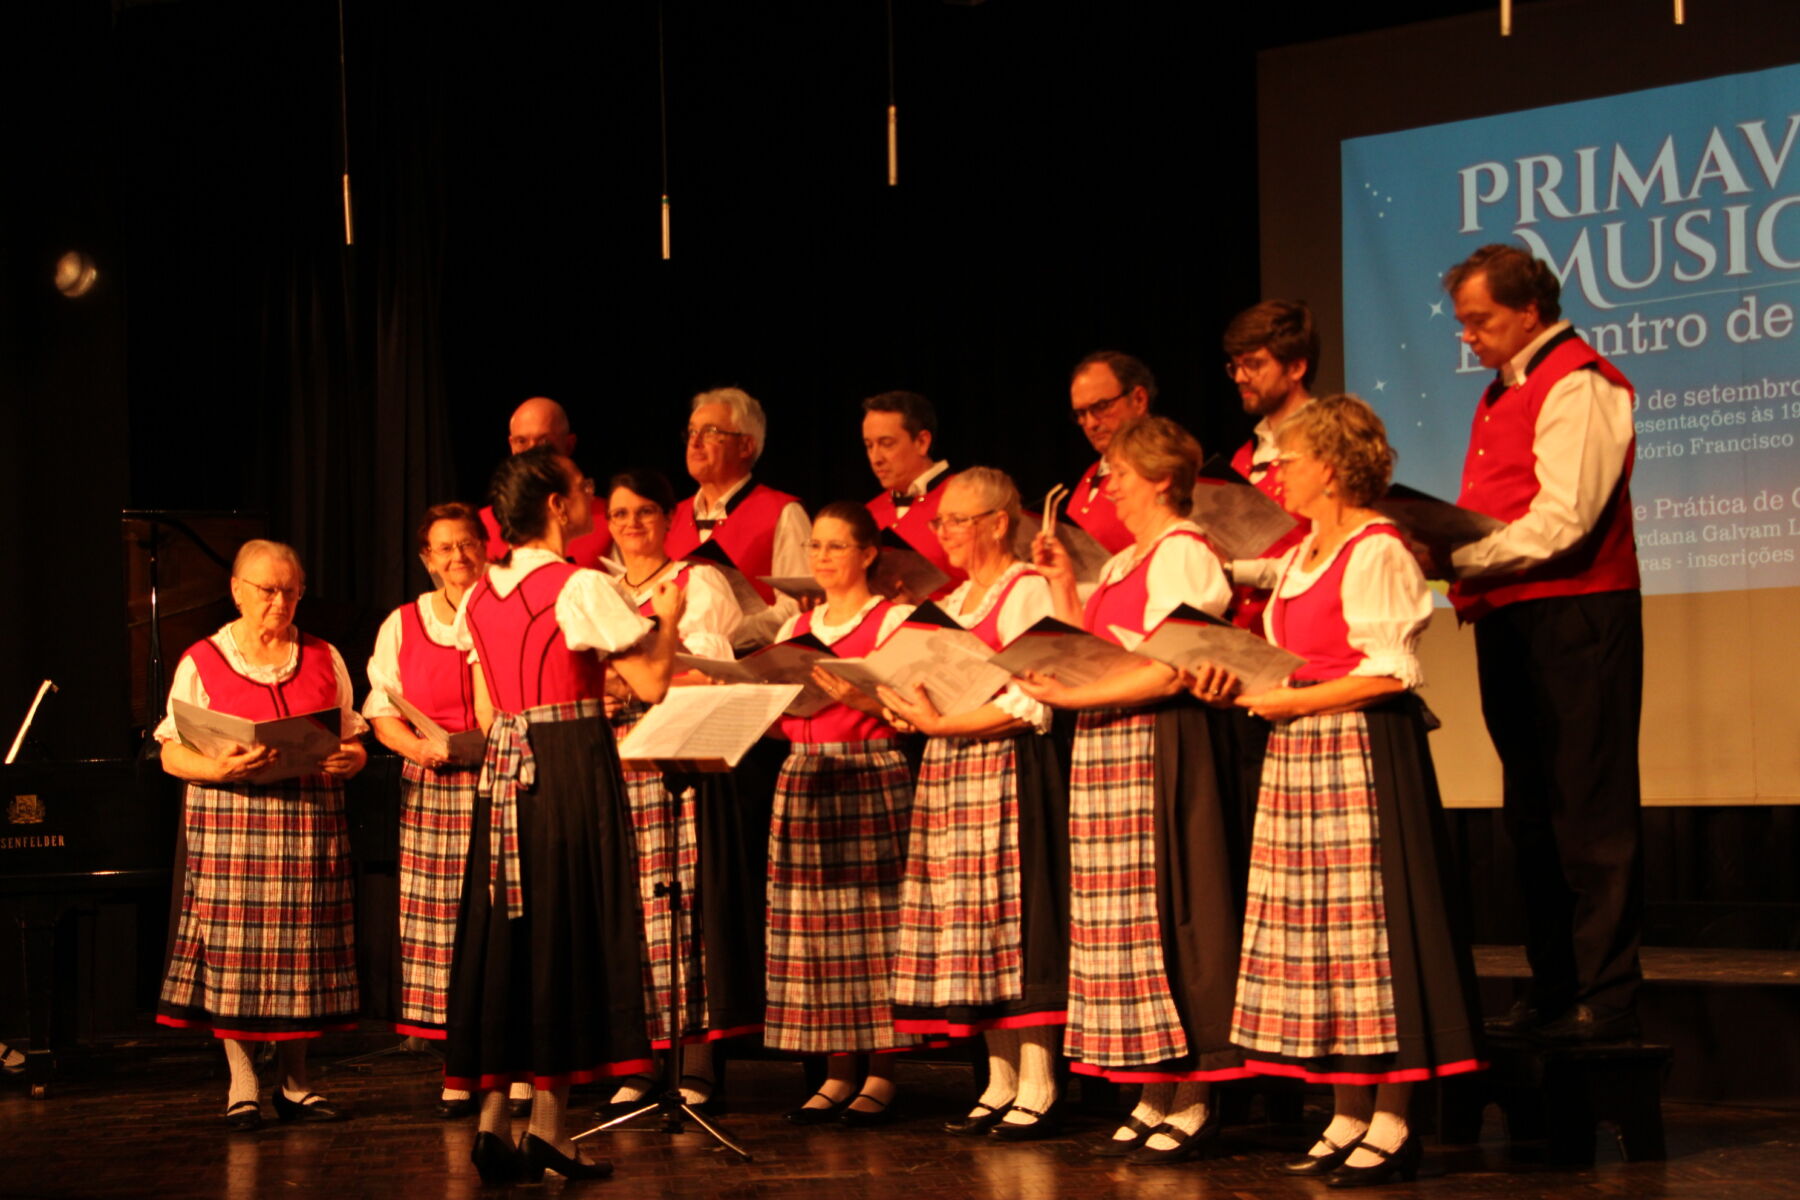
1407 1075
711 1035
953 1029
430 1033
1127 1075
487 1083
244 1035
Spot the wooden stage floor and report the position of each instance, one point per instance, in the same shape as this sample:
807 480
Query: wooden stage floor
142 1121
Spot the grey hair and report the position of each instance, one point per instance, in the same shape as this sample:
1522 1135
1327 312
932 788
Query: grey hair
996 489
745 412
257 548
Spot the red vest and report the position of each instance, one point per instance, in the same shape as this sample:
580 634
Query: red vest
840 722
1500 479
1090 509
746 533
1247 603
915 530
1122 601
311 688
524 659
436 679
1312 624
988 628
585 551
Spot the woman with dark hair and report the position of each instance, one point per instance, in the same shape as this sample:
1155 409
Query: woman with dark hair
984 910
416 657
545 983
263 947
1155 818
837 847
1355 971
720 955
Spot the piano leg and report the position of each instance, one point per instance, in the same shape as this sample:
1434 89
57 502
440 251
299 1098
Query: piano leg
37 930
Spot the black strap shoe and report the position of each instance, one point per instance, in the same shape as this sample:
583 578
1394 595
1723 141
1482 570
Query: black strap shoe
310 1107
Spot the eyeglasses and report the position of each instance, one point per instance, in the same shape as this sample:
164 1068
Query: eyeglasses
291 595
466 546
643 516
1094 411
711 435
820 549
1249 364
957 520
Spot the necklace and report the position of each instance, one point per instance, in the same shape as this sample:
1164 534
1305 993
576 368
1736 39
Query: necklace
634 586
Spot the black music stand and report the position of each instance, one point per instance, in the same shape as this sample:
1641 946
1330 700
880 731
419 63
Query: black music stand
674 1110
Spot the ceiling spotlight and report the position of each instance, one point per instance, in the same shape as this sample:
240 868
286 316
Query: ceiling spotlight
75 274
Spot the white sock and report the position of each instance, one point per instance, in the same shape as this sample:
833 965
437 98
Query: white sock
9 1057
1002 1066
454 1094
1037 1072
1388 1131
495 1117
547 1118
1342 1131
1151 1106
1187 1112
520 1090
243 1072
697 1061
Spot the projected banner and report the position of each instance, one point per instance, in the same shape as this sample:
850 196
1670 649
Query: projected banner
1672 217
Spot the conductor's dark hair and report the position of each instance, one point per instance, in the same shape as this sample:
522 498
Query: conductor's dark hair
1514 278
651 485
456 510
521 491
856 516
916 413
1130 372
1283 327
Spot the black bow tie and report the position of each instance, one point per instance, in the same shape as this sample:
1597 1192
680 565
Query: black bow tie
706 522
903 499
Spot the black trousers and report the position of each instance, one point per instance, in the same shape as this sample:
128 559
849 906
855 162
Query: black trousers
1562 686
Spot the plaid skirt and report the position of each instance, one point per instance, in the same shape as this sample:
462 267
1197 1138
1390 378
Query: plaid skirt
837 851
721 988
1355 968
264 946
553 995
1154 869
983 940
437 807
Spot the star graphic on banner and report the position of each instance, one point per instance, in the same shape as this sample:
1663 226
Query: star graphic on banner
1437 308
1381 385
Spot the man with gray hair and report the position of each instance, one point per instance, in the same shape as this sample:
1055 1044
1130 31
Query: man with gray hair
762 531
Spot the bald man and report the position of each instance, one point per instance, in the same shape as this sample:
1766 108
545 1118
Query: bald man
541 421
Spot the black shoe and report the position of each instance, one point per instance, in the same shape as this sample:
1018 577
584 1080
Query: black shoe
452 1109
1324 1164
496 1160
1583 1024
859 1118
519 1108
1042 1125
319 1108
976 1124
823 1115
1114 1147
1187 1144
618 1108
540 1155
1520 1020
1403 1161
245 1116
710 1104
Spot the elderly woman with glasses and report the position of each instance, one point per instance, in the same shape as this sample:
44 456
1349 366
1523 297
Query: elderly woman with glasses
263 949
837 847
720 956
417 659
984 910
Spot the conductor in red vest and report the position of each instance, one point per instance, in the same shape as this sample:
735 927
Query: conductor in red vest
1559 638
1271 356
898 429
1106 389
541 421
762 531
